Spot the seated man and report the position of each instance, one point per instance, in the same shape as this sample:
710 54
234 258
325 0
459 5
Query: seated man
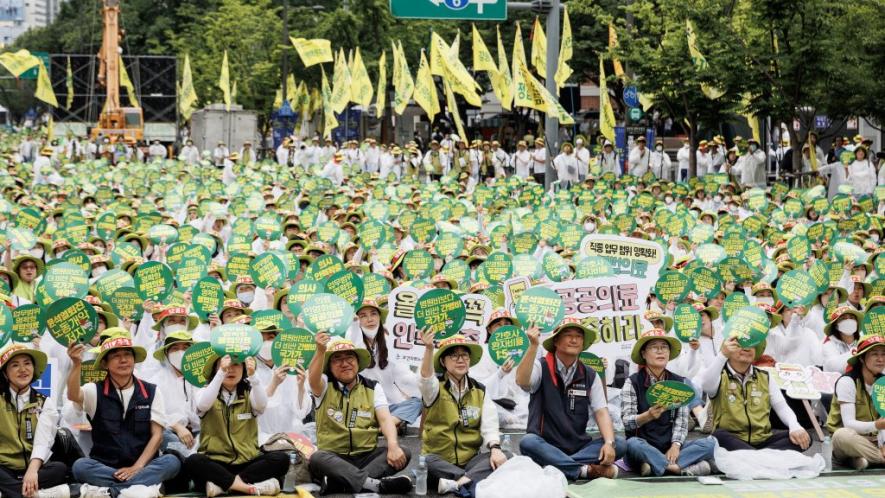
743 397
127 417
657 434
459 420
857 429
350 410
563 393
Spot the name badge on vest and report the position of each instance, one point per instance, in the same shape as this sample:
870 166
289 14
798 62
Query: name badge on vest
351 423
576 391
244 416
465 417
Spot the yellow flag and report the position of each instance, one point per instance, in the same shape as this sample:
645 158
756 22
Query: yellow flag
403 83
278 99
313 51
188 99
425 90
518 57
700 62
381 101
452 107
291 90
566 49
539 49
613 45
224 82
69 83
444 62
340 83
18 62
752 119
482 59
606 113
329 121
537 97
646 101
44 86
50 128
438 50
361 86
303 99
502 82
126 83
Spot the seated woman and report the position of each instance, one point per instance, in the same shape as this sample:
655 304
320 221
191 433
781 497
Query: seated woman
857 430
27 428
657 433
228 459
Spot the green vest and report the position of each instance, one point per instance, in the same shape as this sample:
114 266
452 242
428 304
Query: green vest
743 410
452 429
229 433
436 163
863 407
346 423
17 430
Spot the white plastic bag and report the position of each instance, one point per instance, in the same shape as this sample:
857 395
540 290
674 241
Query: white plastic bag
520 477
745 465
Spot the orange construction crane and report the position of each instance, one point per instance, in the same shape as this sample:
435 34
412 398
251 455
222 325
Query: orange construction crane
115 121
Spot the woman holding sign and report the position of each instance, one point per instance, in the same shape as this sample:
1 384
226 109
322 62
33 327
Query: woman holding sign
27 428
855 421
842 331
658 428
460 420
229 459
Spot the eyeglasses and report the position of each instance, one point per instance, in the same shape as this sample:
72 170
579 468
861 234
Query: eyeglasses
459 357
342 359
659 348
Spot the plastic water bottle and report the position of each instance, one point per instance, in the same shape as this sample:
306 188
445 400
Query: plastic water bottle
506 445
826 451
421 477
290 481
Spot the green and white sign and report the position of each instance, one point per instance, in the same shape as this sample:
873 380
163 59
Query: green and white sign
71 320
346 285
669 394
749 324
237 340
797 288
732 303
65 280
293 347
375 286
268 270
163 234
591 360
593 266
687 322
153 281
207 296
193 363
324 267
874 321
672 286
497 268
417 264
26 322
20 238
327 312
506 343
441 311
540 306
299 292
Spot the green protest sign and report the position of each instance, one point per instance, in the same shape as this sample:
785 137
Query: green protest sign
701 234
268 226
207 297
593 266
20 238
328 232
672 286
526 265
736 269
794 208
417 264
324 267
126 303
441 311
237 340
591 360
163 234
375 286
423 230
299 292
268 319
686 322
749 324
106 225
555 267
704 281
799 249
293 348
669 394
237 265
346 285
79 259
268 270
523 243
846 251
26 322
710 254
874 321
6 323
193 363
189 270
878 396
497 268
456 269
327 312
32 219
71 320
372 234
841 203
732 303
820 273
570 236
153 281
65 280
449 245
111 281
540 306
90 373
797 288
506 343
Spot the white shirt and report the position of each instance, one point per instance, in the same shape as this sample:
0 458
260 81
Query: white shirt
333 172
189 154
846 395
539 160
522 162
207 395
835 354
566 167
90 401
795 343
682 156
639 161
660 164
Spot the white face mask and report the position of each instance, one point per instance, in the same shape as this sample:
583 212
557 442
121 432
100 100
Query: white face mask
37 252
752 148
668 200
765 300
659 148
246 297
174 327
175 359
874 237
847 327
264 352
589 226
718 198
99 271
371 333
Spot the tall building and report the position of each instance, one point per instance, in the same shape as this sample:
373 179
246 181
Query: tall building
18 16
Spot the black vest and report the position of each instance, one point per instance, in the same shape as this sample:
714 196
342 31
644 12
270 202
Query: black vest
118 438
658 433
559 413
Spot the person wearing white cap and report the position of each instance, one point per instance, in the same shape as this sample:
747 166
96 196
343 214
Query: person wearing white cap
521 160
660 163
609 160
582 154
219 154
639 158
